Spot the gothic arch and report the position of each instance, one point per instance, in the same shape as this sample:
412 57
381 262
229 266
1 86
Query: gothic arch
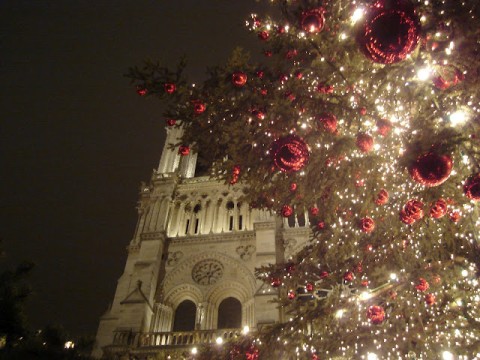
181 293
222 291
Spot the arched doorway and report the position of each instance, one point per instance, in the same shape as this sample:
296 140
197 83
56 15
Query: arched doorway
185 316
229 314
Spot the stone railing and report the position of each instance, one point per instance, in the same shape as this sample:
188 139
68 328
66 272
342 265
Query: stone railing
172 339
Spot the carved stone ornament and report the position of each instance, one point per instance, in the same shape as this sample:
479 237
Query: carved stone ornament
207 272
174 257
245 252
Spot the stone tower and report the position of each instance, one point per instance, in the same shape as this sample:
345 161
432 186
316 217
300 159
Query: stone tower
189 276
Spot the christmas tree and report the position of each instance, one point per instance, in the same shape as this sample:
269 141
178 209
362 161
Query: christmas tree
364 119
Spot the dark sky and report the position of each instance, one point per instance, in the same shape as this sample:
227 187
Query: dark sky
75 139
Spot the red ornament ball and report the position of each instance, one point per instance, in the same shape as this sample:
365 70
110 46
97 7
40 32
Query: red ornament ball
184 150
362 111
171 122
383 127
169 88
348 276
289 268
448 76
430 299
290 153
364 142
376 314
390 31
260 74
275 282
293 187
472 187
367 224
323 275
309 287
263 35
313 211
239 78
327 122
312 21
199 107
287 211
291 294
455 216
141 90
260 115
438 209
382 197
324 89
252 353
235 174
422 285
411 212
321 225
431 169
268 53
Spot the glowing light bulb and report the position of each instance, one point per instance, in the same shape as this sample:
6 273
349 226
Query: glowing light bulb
357 15
458 117
246 329
447 355
219 340
424 73
365 296
372 356
194 351
339 313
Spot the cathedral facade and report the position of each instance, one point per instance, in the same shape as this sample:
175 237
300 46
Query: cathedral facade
189 277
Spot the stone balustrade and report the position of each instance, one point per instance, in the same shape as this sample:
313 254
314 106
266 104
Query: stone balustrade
172 339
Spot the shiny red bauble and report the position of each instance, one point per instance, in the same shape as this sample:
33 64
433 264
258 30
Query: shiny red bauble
263 35
431 169
141 90
438 209
364 142
367 224
275 282
184 150
312 21
290 153
430 299
169 88
383 127
348 276
199 107
376 314
327 122
287 210
411 212
239 78
422 285
389 31
472 187
171 122
382 197
314 211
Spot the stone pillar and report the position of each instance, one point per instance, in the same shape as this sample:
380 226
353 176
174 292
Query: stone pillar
265 236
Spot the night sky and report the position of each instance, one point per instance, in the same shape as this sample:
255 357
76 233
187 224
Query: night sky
76 140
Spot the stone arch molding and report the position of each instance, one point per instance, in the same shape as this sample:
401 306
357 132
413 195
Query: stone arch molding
181 293
184 269
227 289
